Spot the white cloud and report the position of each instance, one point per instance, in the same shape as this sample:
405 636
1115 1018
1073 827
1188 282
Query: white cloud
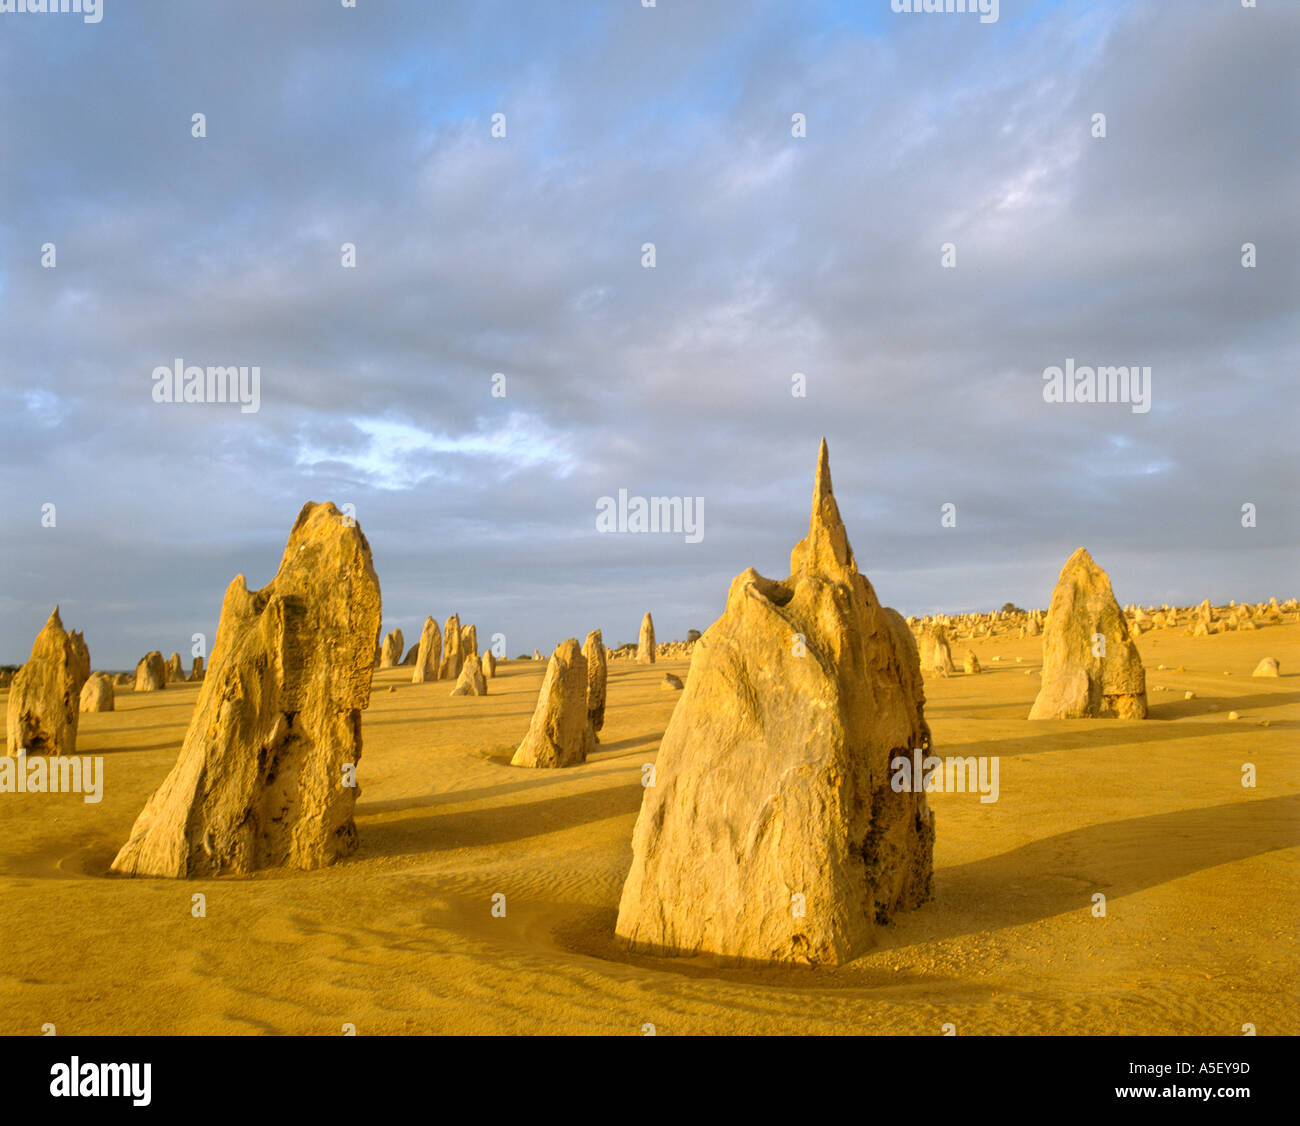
394 455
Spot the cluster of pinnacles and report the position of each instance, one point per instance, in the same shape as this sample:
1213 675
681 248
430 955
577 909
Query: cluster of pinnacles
769 832
451 654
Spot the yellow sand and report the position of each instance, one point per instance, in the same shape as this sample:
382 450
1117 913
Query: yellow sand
1200 877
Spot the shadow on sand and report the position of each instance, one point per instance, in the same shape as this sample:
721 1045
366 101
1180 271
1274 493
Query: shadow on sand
498 825
1036 881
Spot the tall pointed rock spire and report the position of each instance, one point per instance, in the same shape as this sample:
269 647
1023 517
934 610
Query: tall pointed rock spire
773 778
42 712
827 545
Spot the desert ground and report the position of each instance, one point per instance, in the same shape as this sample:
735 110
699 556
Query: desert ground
1200 875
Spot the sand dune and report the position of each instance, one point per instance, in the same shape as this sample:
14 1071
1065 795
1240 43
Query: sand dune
1200 877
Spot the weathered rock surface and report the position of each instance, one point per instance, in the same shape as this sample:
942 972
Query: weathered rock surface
452 654
593 649
266 775
468 641
97 694
559 734
674 649
1076 683
428 657
671 682
772 832
42 713
1267 667
175 671
80 658
971 665
150 673
645 646
471 681
489 663
390 653
941 652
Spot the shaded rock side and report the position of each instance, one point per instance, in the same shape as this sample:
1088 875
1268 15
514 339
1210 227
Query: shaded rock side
80 658
593 649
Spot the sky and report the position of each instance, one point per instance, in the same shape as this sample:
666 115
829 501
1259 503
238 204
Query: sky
775 254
